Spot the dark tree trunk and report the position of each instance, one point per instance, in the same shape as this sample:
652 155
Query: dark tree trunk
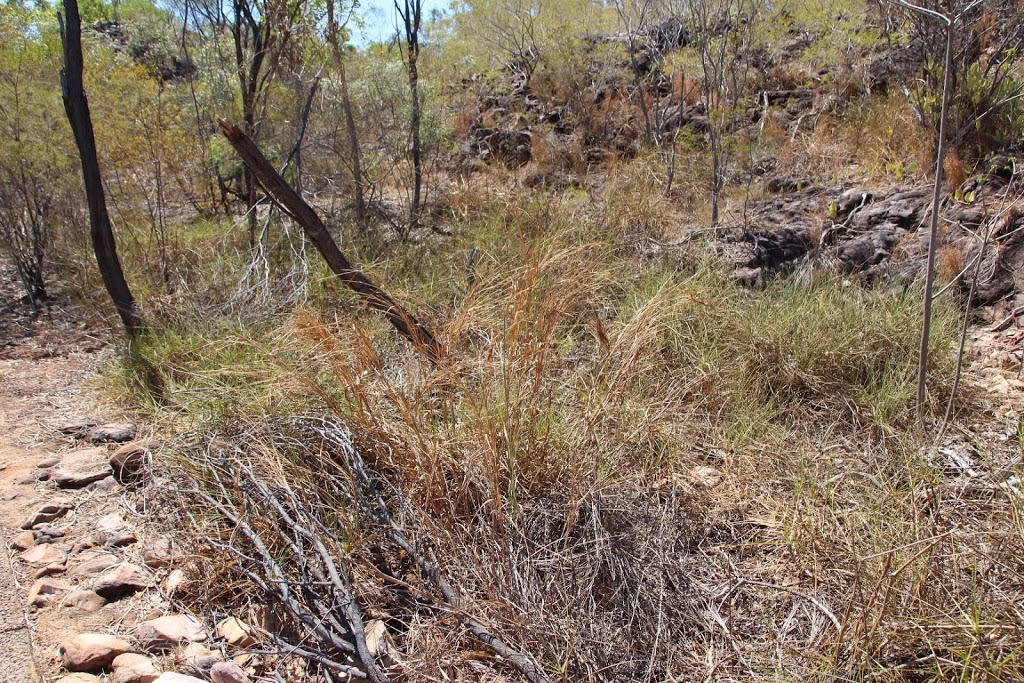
251 31
350 121
411 14
77 108
317 232
417 164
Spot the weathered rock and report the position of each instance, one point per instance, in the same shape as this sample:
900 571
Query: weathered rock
173 582
75 429
47 533
79 468
236 632
26 479
43 555
85 600
111 522
115 432
23 540
48 462
228 672
44 591
129 460
134 668
105 485
172 677
119 539
114 531
79 678
48 513
198 658
91 651
92 562
48 570
159 553
166 633
122 581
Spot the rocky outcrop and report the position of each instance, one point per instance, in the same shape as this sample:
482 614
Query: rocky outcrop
881 234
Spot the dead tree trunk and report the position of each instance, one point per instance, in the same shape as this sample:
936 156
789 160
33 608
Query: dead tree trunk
77 108
306 217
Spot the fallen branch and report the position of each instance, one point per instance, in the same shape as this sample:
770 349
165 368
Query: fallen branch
303 214
287 550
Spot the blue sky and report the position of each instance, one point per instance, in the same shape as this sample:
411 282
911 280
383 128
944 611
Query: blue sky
379 19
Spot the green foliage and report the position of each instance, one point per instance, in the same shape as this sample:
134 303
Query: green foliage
484 35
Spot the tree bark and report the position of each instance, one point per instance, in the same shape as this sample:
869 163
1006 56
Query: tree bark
77 109
307 218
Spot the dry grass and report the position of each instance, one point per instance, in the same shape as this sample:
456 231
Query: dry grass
631 467
628 466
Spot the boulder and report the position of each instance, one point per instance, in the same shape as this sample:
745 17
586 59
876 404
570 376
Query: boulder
48 462
134 668
91 651
122 581
166 633
48 513
79 468
236 632
44 591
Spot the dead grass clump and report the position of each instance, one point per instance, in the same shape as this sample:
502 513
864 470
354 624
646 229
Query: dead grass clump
955 169
949 262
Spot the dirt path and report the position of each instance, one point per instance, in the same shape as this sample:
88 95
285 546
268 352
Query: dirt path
37 397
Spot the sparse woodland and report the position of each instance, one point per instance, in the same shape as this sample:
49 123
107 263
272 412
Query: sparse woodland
569 340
